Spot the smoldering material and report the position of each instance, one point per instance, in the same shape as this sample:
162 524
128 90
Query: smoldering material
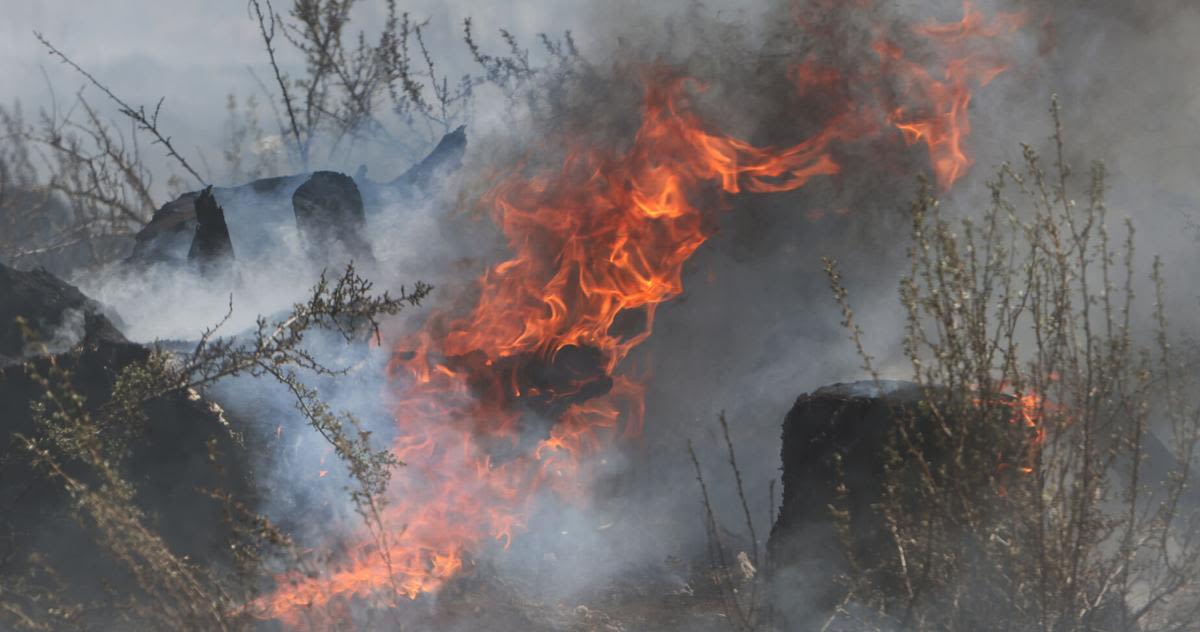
763 329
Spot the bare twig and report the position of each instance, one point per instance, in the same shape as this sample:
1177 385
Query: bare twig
146 122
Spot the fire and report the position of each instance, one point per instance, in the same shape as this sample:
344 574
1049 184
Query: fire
944 124
597 244
1029 411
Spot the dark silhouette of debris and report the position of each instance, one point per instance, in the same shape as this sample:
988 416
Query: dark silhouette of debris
264 205
211 248
329 213
168 461
445 158
834 438
55 313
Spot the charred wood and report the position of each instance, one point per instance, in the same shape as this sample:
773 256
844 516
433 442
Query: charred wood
329 214
211 250
263 206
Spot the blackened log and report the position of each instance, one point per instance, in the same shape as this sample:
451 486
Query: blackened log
168 235
541 387
167 238
834 435
544 385
836 444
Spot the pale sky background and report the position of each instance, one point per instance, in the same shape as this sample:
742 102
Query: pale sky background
196 53
149 47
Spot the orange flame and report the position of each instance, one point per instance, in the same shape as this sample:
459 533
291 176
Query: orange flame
1029 411
601 238
944 124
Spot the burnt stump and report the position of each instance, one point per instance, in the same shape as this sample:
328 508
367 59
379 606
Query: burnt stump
835 443
330 217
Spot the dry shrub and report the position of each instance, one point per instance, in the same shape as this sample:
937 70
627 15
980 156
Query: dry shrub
1052 503
82 446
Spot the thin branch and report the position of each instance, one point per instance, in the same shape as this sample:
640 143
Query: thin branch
146 122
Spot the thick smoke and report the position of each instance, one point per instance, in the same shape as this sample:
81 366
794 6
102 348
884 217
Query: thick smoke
756 326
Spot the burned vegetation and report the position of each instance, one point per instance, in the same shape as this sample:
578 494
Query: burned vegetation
1020 460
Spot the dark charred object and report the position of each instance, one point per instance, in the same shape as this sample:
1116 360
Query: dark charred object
56 314
541 387
846 427
169 461
835 443
445 158
329 214
211 248
256 211
264 204
545 386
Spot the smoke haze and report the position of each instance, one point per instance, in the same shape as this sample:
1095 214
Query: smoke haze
755 327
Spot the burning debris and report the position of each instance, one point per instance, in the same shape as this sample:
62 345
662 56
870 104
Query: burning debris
604 234
513 395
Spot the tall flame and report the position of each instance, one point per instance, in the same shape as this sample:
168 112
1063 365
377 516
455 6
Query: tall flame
599 239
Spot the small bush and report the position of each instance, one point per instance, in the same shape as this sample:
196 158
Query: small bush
1043 513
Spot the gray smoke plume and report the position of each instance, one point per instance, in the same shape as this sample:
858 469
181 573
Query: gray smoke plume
756 326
